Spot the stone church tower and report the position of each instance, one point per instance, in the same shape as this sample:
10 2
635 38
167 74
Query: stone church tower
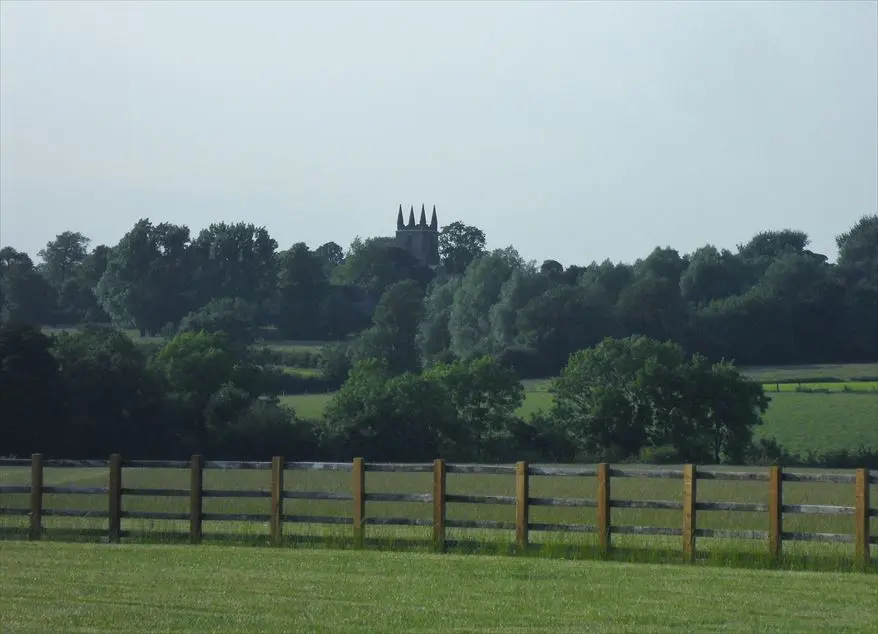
421 240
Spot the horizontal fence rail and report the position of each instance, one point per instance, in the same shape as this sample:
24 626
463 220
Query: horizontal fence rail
439 498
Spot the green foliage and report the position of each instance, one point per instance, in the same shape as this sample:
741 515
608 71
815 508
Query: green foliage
485 396
113 402
394 329
459 245
232 316
625 395
30 390
25 295
148 279
379 416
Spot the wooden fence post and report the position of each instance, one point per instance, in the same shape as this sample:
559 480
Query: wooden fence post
36 496
775 512
521 506
439 479
359 492
604 507
115 501
277 499
689 497
195 489
861 517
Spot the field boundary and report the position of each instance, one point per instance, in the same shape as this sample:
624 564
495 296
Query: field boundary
439 498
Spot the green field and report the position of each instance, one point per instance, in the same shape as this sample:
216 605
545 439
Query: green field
629 547
94 588
800 421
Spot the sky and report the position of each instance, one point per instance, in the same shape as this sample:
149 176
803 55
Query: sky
577 131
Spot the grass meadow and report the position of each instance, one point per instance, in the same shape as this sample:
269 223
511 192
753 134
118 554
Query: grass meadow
582 545
55 587
800 421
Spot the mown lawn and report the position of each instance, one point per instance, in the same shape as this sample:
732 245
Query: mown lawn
154 588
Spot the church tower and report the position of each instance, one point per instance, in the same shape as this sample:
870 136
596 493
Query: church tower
421 239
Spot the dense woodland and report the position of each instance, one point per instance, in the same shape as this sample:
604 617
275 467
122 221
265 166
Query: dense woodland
429 361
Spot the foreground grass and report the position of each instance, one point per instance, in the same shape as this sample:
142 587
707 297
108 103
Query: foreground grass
94 588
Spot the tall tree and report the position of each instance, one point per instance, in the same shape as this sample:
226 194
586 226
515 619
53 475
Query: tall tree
31 417
63 257
234 260
391 338
25 295
302 288
148 282
459 245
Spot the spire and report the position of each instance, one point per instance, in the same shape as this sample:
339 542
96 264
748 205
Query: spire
411 224
399 223
423 222
434 224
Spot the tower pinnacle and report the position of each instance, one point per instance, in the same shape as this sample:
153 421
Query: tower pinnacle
399 222
423 221
411 224
434 224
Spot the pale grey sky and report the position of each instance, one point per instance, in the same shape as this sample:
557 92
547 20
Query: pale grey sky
572 130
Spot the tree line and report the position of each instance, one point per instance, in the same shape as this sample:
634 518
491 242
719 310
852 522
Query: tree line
429 361
773 301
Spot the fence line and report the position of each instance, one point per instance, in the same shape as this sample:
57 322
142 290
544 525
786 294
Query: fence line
439 498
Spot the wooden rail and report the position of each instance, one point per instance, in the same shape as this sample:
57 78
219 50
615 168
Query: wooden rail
439 498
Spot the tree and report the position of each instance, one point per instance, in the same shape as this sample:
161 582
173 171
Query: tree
459 245
858 272
148 281
31 418
395 325
114 403
234 260
63 257
433 339
376 264
381 417
712 274
469 323
484 396
25 295
331 254
624 395
302 287
232 316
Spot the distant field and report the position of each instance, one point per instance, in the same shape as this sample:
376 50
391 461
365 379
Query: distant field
800 421
836 371
156 588
805 422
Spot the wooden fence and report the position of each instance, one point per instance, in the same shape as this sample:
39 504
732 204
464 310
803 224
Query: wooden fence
439 498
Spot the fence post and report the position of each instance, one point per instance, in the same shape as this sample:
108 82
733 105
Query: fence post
195 489
115 501
36 496
521 507
775 511
861 517
277 499
439 480
690 495
359 492
604 507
